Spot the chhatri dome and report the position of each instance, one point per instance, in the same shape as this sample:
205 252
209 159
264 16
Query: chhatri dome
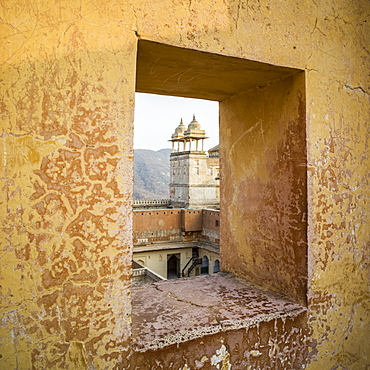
187 136
179 131
194 129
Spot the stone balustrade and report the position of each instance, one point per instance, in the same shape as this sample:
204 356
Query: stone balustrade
151 203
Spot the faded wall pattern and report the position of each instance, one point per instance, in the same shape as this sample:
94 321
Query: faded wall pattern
66 184
67 95
264 215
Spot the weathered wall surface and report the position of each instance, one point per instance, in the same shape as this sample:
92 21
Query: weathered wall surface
258 347
192 220
242 335
157 225
338 173
211 226
66 185
67 84
264 203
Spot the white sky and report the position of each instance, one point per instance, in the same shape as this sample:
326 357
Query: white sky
157 116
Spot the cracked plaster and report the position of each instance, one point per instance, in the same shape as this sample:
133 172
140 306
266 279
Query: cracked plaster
67 85
171 312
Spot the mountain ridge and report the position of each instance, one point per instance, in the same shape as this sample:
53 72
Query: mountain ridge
151 174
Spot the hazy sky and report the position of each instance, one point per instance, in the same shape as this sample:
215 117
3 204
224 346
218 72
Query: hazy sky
157 116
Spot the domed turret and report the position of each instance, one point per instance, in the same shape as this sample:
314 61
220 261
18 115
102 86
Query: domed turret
194 129
179 131
187 137
194 124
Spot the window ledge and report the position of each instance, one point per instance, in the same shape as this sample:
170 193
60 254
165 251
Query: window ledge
180 310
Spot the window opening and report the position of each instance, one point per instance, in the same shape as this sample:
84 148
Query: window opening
262 118
263 149
189 142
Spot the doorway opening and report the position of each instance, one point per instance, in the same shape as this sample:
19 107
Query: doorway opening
173 266
204 270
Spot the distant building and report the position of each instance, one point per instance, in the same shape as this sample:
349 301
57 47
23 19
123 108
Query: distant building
184 240
174 243
194 175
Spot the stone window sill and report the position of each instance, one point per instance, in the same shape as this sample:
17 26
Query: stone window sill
180 310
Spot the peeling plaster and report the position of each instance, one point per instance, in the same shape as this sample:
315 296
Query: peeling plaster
66 105
221 358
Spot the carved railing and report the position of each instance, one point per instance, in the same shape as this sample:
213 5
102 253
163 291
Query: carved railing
148 203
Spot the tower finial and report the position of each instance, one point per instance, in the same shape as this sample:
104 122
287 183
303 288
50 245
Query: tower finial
193 116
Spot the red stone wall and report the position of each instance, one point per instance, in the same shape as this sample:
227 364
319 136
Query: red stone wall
211 226
192 220
157 225
175 225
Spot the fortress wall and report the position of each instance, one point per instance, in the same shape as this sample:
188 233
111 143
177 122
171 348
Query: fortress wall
264 202
68 77
157 225
211 226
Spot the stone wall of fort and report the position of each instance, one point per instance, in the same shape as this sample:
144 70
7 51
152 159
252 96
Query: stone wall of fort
175 225
292 78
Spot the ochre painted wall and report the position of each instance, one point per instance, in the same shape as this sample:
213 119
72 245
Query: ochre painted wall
67 89
67 98
264 186
156 260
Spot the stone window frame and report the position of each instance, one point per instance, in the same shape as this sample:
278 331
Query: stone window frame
258 75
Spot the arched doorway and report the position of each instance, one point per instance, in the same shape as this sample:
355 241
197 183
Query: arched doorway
205 266
216 266
173 266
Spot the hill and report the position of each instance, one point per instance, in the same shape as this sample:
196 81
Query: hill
151 174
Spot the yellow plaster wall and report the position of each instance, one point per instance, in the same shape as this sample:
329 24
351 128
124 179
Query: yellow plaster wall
67 87
264 186
157 260
67 90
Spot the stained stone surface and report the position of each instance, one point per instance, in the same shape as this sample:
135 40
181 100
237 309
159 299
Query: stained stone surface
174 311
296 182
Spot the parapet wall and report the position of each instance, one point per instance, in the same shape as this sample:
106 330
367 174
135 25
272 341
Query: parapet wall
211 226
175 225
157 226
